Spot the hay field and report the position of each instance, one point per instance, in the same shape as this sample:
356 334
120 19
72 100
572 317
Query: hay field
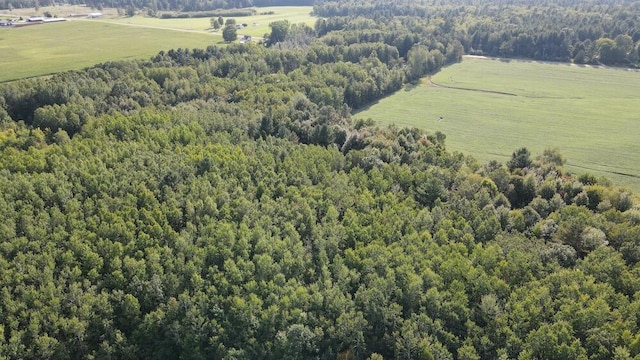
294 14
81 42
488 108
50 48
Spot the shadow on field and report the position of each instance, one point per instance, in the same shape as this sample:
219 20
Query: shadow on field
365 107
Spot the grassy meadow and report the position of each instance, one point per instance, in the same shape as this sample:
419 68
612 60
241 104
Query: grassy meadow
294 14
590 114
51 48
80 42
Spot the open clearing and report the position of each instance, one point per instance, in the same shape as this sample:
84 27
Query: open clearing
80 42
591 114
294 14
50 48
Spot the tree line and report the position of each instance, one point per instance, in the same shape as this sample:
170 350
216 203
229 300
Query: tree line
595 32
159 5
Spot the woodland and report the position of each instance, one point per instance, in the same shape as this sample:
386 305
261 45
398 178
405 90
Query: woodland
221 203
584 32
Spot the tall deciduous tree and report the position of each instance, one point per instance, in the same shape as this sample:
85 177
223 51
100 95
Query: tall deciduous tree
279 31
230 33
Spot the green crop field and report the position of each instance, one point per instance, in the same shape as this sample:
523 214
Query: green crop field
591 114
50 48
258 25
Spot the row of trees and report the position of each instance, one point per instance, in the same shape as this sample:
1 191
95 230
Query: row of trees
159 5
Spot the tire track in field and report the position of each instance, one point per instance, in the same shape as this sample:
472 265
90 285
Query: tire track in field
432 84
635 176
149 26
193 31
584 167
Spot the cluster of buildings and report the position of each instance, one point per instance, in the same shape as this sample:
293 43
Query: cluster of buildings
31 20
8 22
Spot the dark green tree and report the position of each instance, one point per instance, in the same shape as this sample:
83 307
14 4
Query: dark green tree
279 31
520 159
215 24
230 33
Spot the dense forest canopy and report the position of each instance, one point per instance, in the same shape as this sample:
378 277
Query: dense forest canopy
220 203
584 32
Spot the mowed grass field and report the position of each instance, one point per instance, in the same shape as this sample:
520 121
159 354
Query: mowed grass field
51 48
294 14
80 42
592 115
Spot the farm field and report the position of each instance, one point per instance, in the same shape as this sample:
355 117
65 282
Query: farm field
294 14
38 50
590 114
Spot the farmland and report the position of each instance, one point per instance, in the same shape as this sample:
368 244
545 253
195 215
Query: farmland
38 50
590 114
258 25
51 48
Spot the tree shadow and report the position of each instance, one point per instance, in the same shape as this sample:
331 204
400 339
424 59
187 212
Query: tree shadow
410 86
365 107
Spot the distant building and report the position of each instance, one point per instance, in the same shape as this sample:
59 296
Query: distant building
50 20
35 19
94 15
